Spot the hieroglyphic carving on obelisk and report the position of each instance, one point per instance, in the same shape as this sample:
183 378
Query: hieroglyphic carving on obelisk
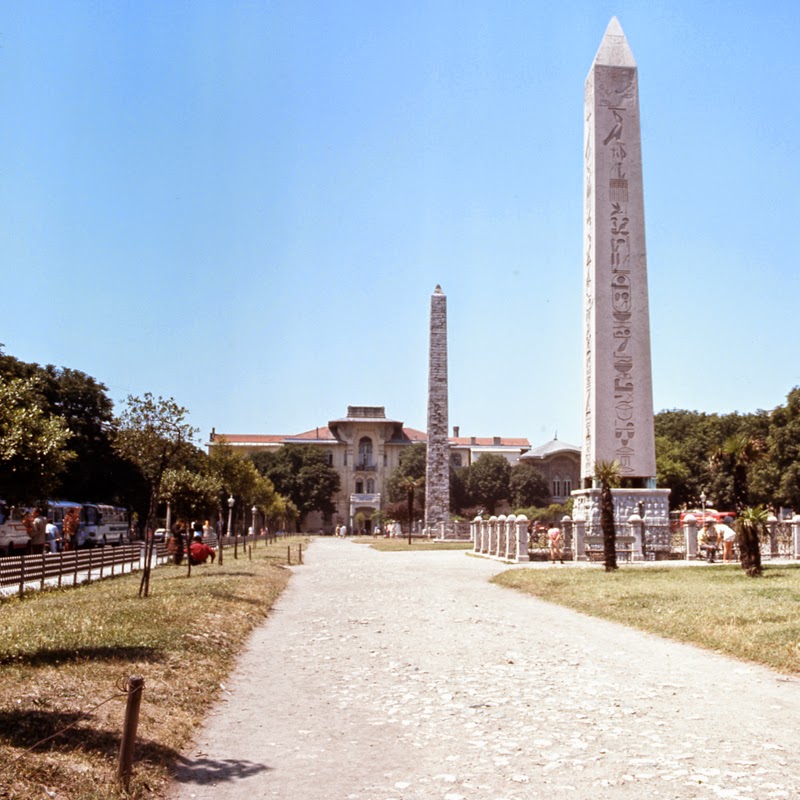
618 393
437 471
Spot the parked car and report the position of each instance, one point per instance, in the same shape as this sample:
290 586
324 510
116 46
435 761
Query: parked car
160 534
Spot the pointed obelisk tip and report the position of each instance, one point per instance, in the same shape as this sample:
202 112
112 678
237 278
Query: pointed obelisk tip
614 50
438 289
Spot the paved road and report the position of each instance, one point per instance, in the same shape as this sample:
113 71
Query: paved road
408 675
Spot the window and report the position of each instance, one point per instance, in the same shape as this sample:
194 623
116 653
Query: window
330 459
557 486
359 487
455 459
370 486
567 486
365 451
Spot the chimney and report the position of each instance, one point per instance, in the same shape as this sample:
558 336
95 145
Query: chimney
497 441
455 431
472 441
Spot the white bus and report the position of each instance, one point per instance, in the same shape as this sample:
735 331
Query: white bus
104 524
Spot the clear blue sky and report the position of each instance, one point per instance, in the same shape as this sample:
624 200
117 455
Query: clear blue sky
247 205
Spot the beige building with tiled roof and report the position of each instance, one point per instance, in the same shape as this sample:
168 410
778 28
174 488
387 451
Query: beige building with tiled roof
364 447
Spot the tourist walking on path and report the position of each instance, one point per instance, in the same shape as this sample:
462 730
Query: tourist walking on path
410 676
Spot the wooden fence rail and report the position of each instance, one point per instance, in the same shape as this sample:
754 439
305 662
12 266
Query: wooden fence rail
74 566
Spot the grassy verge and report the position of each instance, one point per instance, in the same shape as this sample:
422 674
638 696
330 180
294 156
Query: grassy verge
756 619
63 653
395 545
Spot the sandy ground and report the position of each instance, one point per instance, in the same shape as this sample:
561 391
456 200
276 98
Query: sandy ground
408 675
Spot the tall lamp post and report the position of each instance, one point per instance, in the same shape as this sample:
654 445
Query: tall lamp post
703 506
231 532
254 509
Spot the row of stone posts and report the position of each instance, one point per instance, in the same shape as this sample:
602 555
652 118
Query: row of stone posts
690 535
504 537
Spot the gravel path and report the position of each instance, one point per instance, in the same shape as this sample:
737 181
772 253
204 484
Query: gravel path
408 675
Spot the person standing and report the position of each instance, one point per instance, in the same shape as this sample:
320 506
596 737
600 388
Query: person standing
554 540
70 529
53 536
39 535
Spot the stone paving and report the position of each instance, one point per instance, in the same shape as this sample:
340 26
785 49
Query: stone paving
408 675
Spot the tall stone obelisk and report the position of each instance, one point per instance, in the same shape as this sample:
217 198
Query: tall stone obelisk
437 467
618 390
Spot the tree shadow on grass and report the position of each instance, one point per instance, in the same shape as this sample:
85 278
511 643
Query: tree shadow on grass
49 657
24 728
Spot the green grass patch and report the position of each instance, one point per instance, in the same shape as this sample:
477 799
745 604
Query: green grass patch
397 544
64 652
755 619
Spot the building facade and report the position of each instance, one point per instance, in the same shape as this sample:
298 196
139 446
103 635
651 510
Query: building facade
364 447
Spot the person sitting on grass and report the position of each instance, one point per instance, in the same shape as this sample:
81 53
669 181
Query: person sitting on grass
199 552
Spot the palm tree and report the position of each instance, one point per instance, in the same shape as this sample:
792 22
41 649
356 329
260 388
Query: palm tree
410 485
738 452
750 526
607 473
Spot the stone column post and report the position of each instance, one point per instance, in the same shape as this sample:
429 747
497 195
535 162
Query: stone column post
772 527
521 553
636 525
500 540
796 535
492 543
510 553
690 534
579 539
474 532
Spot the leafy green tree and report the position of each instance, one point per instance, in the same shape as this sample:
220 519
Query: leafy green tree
776 478
607 473
192 494
488 480
154 435
33 441
460 498
301 473
528 487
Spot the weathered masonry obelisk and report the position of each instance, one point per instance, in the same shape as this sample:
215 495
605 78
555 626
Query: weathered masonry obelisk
618 392
437 467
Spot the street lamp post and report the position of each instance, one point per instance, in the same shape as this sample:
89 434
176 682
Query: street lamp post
254 509
231 503
703 506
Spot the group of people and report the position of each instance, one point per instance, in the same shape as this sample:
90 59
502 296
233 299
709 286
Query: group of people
713 536
45 535
199 551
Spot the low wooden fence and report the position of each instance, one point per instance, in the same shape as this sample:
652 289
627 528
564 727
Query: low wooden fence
73 567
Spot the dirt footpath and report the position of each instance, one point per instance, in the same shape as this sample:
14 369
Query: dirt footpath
408 675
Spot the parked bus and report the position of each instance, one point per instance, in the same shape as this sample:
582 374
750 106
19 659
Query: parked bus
57 510
104 524
13 534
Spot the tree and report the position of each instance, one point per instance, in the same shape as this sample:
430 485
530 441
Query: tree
153 434
488 480
750 526
33 441
528 487
607 473
301 473
737 453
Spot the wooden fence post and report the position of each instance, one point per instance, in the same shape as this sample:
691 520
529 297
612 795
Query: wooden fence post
300 552
134 688
22 576
289 554
41 585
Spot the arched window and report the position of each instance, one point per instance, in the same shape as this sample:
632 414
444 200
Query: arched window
359 487
370 486
365 452
567 487
557 486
